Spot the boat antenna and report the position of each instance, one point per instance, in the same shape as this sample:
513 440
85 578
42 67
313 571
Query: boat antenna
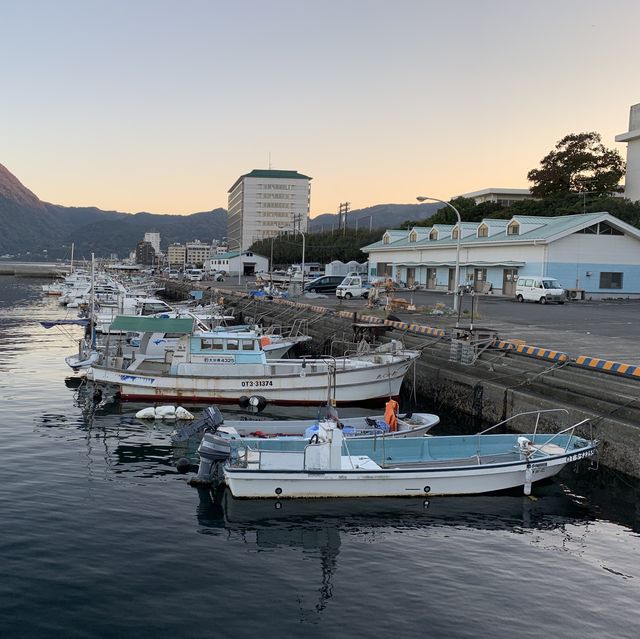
93 302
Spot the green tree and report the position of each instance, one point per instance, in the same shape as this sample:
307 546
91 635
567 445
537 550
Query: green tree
579 163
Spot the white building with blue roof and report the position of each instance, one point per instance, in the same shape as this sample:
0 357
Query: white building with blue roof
594 252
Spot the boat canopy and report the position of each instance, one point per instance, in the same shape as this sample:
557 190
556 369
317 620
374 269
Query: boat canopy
138 324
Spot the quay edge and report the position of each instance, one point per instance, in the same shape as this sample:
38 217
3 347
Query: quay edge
497 385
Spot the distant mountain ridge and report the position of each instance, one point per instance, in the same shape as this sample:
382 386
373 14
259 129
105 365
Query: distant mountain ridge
380 216
29 225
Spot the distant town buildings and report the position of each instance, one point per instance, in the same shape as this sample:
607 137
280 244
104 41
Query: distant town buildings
505 197
632 138
265 202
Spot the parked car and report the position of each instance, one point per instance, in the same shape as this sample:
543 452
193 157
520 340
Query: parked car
324 284
539 289
193 274
173 274
353 287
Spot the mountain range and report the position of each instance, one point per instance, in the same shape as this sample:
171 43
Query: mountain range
33 229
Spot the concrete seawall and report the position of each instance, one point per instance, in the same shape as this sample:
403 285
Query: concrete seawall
497 384
33 269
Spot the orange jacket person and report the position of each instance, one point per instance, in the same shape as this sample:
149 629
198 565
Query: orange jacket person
390 413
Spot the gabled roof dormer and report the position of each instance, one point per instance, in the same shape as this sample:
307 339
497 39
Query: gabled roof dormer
386 238
440 232
419 233
521 224
490 227
466 229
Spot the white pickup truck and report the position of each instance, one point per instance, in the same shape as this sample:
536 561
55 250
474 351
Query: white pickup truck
353 286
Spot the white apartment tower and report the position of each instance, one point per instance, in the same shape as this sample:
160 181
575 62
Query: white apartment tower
265 202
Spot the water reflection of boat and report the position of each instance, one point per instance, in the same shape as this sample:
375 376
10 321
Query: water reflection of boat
324 526
553 507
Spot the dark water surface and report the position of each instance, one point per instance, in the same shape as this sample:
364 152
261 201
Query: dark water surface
100 536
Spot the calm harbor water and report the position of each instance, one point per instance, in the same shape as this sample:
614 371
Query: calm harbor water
101 537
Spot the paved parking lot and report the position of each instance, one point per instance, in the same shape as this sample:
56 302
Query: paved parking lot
605 329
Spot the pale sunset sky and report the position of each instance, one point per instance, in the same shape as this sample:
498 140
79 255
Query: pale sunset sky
160 105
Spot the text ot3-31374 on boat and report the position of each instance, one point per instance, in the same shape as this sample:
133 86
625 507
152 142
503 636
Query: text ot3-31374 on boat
331 465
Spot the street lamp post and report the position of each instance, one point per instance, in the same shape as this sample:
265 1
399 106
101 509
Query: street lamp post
456 296
303 247
237 242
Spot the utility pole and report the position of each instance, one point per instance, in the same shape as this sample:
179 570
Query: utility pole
342 215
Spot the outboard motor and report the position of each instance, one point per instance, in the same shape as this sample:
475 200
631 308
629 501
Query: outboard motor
210 420
214 448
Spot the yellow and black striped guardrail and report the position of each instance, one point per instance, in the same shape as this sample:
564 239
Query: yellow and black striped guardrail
608 366
533 351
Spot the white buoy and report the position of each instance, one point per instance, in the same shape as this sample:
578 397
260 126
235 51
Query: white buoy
166 412
146 413
183 413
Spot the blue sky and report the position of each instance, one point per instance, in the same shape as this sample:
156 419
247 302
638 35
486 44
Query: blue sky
160 105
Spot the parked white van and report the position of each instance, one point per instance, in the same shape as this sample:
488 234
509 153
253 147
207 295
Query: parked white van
539 289
193 274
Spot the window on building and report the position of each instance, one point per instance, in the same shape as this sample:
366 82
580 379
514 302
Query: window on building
455 233
607 229
611 280
513 228
385 239
413 236
433 235
483 230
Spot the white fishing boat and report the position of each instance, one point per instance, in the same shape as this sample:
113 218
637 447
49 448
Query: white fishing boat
332 465
225 366
87 354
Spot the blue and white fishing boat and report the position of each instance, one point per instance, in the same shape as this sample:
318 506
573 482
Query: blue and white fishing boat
331 465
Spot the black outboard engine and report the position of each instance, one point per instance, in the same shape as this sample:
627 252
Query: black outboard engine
209 420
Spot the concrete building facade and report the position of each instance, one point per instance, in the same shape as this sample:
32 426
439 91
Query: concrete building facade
264 202
247 262
505 197
594 252
154 239
176 254
632 138
197 252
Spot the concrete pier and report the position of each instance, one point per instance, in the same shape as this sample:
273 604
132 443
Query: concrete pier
495 385
33 269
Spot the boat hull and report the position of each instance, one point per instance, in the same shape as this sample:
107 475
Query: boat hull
352 385
245 483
